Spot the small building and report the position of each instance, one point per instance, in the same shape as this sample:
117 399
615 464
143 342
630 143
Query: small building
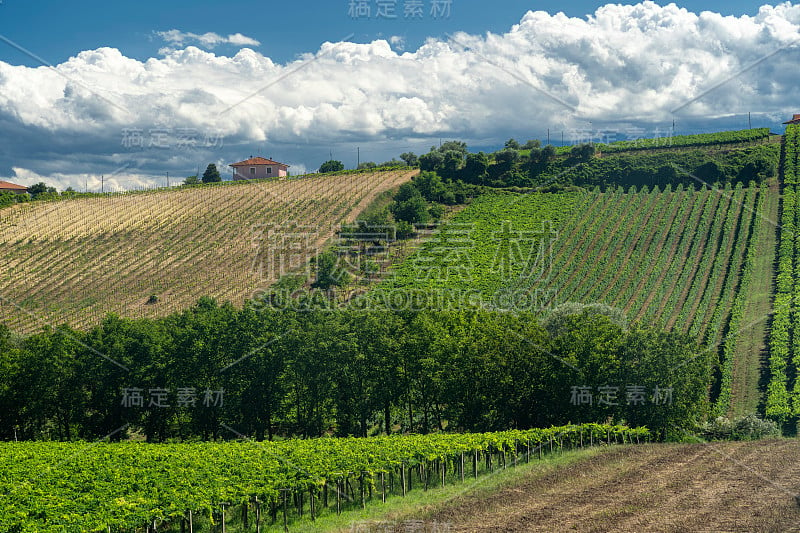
257 168
795 120
6 186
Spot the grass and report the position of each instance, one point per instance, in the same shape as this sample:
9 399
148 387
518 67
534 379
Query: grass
418 503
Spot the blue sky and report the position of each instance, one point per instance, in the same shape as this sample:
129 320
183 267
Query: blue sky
56 30
256 77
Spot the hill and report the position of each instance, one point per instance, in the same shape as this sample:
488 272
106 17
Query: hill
679 258
148 254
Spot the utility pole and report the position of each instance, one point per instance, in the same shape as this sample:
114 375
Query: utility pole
749 122
102 184
358 157
167 180
548 135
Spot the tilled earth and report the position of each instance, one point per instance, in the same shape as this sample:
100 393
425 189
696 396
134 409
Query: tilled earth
724 486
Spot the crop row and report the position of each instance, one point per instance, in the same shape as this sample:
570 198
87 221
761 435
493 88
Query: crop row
76 260
778 400
727 351
680 141
116 487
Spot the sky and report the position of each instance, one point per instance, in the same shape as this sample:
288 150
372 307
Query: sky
146 93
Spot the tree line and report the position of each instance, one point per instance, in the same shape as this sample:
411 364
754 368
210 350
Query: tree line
279 373
533 165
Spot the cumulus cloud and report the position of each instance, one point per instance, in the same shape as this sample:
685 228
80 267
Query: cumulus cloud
207 40
623 67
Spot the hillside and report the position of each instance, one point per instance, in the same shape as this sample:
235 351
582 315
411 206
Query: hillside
673 258
74 261
721 486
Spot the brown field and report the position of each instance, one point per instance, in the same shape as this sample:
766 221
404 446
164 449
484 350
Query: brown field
724 486
74 261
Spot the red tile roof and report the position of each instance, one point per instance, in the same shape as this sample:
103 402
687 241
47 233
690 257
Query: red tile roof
795 120
13 186
257 161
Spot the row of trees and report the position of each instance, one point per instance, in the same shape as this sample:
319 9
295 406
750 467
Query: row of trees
533 165
279 372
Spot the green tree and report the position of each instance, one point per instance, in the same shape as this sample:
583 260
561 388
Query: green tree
329 272
410 158
531 144
475 168
583 152
39 190
409 205
211 175
191 180
331 166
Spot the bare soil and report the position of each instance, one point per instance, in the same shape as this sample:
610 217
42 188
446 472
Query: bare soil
728 486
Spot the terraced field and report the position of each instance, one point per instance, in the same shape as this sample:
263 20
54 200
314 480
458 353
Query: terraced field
74 261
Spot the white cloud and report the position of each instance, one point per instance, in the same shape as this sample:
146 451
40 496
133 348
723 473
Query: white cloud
398 42
624 66
88 182
207 40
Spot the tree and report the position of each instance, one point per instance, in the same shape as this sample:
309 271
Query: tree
475 168
410 158
511 143
365 164
583 152
40 189
211 174
329 272
531 144
409 205
431 187
431 161
191 180
331 166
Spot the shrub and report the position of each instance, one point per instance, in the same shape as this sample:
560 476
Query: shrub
748 427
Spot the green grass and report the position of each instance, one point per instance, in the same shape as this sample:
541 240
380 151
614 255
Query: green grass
419 503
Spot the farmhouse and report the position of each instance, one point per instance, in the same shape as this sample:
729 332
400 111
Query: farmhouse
6 186
258 168
795 120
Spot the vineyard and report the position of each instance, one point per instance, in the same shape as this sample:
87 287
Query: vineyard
152 253
783 393
130 486
682 141
616 247
680 259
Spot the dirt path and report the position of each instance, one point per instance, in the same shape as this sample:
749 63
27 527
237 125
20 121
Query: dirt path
730 486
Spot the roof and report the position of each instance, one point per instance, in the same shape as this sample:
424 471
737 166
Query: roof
257 161
13 186
795 119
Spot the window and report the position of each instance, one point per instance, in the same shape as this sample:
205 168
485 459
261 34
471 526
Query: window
269 170
252 171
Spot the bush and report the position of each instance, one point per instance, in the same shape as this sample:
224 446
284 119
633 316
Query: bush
749 427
